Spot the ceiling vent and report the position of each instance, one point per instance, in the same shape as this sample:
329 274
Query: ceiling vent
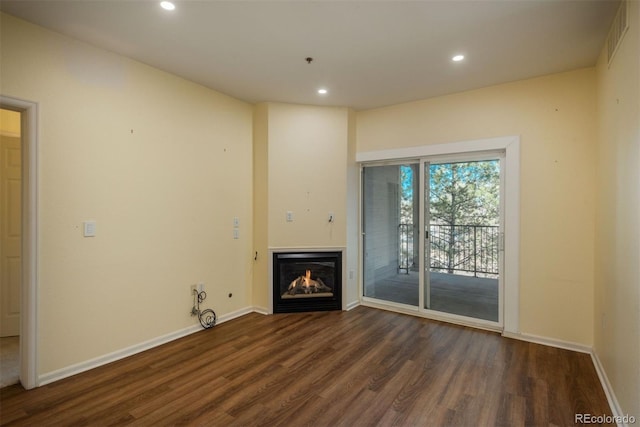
618 29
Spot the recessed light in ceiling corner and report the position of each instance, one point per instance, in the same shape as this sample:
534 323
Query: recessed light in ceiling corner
457 58
322 91
167 5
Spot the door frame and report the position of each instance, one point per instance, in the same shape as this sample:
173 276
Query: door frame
29 286
511 147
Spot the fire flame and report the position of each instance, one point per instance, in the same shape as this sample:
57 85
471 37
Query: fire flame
307 279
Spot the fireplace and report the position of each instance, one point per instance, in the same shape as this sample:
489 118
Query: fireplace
307 281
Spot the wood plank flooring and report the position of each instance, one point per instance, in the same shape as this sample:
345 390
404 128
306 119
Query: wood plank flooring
365 367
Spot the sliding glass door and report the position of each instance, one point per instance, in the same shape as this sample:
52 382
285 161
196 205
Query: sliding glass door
390 233
432 235
462 250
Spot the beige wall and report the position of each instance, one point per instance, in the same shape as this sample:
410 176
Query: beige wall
307 150
555 117
300 163
617 290
163 165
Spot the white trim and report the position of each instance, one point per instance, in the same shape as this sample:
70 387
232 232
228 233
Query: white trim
235 314
511 272
360 237
78 368
511 147
134 349
350 306
261 310
460 147
551 342
430 314
501 250
616 410
424 207
30 250
276 249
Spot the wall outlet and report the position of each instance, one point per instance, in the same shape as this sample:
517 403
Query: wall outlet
200 287
289 216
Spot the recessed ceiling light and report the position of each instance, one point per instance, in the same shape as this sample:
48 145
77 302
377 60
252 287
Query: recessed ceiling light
167 5
322 91
458 58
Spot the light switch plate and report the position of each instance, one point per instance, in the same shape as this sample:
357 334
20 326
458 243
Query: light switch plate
89 228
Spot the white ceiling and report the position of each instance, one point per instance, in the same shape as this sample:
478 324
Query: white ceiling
366 53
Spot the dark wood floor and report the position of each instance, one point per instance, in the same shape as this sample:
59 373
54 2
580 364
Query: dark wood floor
358 368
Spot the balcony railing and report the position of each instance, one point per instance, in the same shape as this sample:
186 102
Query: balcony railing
471 249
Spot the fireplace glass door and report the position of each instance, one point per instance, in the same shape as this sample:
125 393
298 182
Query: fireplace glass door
307 281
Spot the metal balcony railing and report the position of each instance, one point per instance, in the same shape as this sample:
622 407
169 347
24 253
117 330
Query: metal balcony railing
407 249
472 249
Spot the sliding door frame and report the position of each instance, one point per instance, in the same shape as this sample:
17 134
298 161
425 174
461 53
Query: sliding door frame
510 189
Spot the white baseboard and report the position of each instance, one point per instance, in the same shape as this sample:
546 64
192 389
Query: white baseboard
77 368
260 310
551 342
235 314
352 305
606 386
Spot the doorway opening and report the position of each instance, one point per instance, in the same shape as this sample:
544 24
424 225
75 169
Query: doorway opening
10 245
26 268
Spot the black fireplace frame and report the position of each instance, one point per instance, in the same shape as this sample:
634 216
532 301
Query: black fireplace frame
296 305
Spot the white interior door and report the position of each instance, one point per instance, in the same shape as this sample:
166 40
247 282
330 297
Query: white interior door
10 235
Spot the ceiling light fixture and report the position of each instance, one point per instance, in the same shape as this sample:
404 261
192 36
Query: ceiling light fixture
458 58
322 91
167 5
